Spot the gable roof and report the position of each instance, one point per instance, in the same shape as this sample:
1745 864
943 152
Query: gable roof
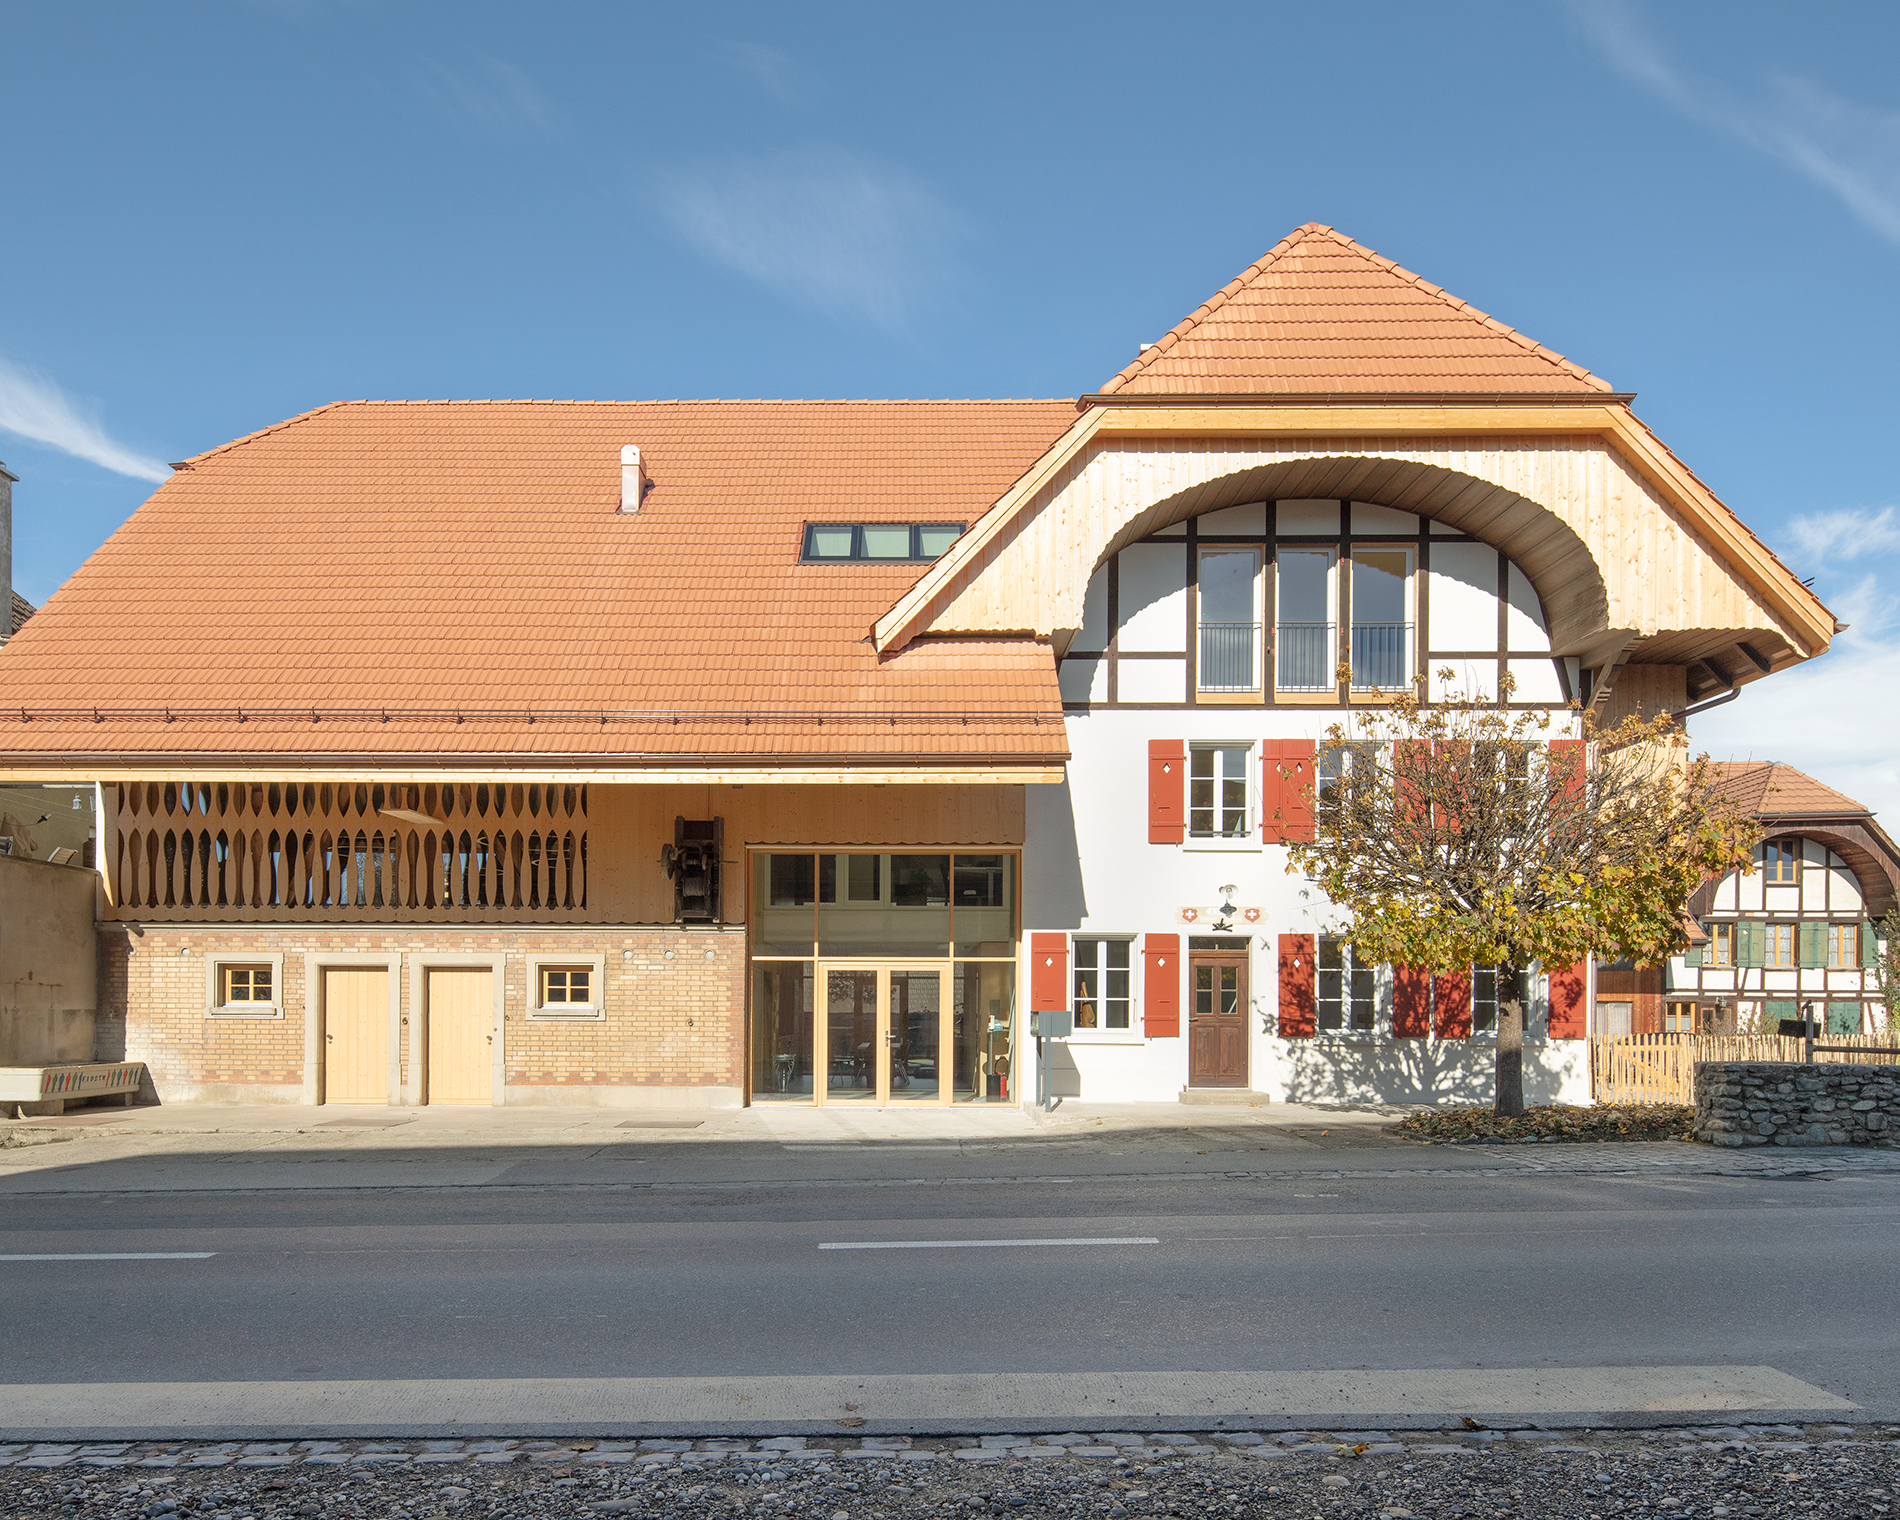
1769 789
1321 315
455 578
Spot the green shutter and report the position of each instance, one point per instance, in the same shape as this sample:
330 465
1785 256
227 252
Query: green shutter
1751 949
1869 944
1692 957
1812 945
1843 1019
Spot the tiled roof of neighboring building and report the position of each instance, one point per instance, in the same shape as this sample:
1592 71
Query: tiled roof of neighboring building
383 578
1321 315
1769 789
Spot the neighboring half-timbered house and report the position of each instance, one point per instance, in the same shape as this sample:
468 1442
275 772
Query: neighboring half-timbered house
712 752
1797 937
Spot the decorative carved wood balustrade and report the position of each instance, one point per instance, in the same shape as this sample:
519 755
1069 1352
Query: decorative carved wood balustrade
363 852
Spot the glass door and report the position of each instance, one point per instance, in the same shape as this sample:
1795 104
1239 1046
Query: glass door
882 1033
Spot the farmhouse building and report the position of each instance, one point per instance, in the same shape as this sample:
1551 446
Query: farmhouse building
667 753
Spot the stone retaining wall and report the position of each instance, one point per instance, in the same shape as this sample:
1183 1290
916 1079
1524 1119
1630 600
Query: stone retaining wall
1781 1103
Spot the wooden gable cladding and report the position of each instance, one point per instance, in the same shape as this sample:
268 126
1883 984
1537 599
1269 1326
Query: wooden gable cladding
1622 544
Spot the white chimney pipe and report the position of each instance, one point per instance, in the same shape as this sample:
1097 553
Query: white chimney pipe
630 480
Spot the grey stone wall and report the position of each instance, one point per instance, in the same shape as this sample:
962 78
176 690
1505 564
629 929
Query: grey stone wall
1780 1103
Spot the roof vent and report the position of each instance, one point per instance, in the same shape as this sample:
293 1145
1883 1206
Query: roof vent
1143 349
632 483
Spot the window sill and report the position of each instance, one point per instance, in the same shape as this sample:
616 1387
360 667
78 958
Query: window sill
245 1011
1222 846
576 1014
1107 1037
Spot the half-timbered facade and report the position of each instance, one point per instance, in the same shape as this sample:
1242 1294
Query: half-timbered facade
1797 937
709 752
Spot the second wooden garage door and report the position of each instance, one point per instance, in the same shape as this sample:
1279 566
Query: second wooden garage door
461 1020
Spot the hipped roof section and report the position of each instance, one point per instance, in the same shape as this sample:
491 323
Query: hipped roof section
1320 315
406 579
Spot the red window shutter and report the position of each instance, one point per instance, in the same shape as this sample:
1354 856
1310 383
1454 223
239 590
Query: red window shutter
1567 759
1569 1001
1048 972
1272 792
1299 954
1161 986
1411 758
1167 791
1295 804
1451 1005
1411 1002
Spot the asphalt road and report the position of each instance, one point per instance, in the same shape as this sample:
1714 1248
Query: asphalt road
700 1271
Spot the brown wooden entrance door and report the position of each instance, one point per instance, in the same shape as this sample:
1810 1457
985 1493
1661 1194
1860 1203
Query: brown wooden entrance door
1217 1021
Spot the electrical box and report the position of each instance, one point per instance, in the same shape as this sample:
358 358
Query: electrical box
695 863
1052 1023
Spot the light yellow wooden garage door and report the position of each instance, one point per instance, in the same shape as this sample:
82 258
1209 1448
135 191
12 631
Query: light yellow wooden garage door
356 1035
461 1018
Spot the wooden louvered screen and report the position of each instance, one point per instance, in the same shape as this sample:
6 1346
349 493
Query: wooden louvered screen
333 852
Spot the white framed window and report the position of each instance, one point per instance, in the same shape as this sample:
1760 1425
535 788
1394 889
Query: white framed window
1103 971
1487 984
1348 1000
1228 602
1220 798
567 986
244 986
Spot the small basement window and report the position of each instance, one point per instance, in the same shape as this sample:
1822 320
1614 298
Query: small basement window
247 984
565 986
887 543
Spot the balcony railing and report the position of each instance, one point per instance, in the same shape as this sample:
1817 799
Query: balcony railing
1227 657
1305 657
1381 656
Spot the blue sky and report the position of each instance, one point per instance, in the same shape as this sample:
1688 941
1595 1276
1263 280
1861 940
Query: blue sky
217 215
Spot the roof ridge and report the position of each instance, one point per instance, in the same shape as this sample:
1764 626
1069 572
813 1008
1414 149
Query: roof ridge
664 401
264 432
1309 231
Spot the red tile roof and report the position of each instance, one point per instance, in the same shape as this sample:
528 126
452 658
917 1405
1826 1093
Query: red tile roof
403 578
1321 315
1769 789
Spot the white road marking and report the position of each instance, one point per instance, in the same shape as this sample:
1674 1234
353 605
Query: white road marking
941 1245
117 1256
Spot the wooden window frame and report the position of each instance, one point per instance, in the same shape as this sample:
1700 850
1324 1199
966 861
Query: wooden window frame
1843 947
215 1005
594 1010
1248 837
1722 945
1348 971
1785 868
1778 945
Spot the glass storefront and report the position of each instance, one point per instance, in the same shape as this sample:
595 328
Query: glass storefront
892 974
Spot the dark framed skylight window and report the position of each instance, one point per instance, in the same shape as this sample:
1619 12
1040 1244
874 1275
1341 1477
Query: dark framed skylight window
877 543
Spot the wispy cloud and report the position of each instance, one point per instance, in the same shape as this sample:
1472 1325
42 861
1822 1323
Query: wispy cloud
1848 533
850 236
1853 150
34 407
491 94
774 70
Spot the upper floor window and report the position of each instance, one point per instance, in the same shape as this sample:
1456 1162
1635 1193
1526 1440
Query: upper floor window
1229 603
1777 944
828 543
1721 944
1217 791
1780 858
1303 612
1843 946
1381 652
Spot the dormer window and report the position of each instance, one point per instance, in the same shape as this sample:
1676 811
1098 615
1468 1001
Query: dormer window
877 543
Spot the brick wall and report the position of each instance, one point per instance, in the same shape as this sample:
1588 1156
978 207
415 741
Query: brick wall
674 1005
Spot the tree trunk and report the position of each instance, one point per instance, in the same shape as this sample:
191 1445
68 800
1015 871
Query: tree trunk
1513 1004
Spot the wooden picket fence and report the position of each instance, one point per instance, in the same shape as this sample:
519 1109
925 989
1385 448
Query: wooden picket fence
1660 1068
